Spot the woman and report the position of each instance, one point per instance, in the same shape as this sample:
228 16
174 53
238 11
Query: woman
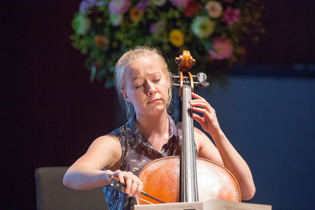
143 81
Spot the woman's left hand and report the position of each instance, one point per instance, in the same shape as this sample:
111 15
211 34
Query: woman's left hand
208 121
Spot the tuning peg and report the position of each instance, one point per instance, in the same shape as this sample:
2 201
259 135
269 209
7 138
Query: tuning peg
201 77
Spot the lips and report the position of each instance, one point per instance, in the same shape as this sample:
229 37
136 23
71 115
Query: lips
154 100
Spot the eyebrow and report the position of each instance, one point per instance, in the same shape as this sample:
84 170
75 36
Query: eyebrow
137 77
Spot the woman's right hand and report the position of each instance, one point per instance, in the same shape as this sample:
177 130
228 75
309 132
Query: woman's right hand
89 168
134 185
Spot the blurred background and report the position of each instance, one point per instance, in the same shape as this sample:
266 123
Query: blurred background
50 112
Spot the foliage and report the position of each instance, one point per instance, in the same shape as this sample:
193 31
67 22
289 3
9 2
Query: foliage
213 31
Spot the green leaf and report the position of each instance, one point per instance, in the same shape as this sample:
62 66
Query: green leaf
109 83
207 44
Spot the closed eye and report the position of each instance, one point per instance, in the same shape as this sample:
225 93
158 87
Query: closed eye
138 86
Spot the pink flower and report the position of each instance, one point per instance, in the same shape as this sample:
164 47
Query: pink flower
178 3
231 15
158 27
144 4
119 6
223 49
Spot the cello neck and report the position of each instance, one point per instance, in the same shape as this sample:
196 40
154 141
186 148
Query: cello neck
188 172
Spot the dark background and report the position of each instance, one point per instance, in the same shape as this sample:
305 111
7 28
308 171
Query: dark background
50 112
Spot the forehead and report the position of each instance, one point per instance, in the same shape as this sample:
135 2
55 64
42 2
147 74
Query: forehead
142 67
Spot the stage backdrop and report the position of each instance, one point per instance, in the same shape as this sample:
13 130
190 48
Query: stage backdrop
50 112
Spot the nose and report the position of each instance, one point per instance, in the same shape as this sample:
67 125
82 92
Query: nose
150 88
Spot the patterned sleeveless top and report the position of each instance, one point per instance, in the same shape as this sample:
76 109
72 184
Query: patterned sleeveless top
137 152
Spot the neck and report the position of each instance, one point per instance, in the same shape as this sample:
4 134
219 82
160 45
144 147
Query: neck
154 128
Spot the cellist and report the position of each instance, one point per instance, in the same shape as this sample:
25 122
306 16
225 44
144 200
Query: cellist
142 81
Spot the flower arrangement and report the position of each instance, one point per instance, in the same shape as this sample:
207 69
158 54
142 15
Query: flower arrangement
214 31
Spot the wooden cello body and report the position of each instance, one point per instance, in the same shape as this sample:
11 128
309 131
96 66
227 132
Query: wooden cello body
187 178
214 181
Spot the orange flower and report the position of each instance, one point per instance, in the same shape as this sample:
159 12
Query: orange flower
101 41
136 14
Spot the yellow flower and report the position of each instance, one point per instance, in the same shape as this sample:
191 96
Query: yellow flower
136 14
176 37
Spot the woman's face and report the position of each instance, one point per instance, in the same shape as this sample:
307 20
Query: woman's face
145 86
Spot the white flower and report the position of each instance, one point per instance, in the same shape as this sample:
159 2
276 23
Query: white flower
81 24
214 9
116 19
158 2
202 26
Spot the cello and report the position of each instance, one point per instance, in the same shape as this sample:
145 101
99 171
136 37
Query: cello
187 178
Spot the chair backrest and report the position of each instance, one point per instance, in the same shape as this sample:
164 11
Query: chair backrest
51 194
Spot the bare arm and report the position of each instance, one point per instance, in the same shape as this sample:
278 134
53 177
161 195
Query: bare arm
86 173
206 148
230 157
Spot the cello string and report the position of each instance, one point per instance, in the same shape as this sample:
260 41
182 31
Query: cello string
144 200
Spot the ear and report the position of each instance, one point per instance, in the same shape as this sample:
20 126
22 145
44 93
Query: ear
168 81
168 77
125 95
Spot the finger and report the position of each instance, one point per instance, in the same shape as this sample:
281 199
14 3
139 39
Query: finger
198 102
120 175
139 189
198 118
194 95
128 186
199 98
129 179
202 111
203 104
135 187
206 114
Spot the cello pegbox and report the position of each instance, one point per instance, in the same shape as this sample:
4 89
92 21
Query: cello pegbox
185 61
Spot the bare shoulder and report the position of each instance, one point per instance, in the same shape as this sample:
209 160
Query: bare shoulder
205 147
104 151
200 138
105 141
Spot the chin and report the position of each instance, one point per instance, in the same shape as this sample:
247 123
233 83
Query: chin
157 110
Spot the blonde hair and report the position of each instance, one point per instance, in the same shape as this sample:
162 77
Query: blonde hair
125 60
